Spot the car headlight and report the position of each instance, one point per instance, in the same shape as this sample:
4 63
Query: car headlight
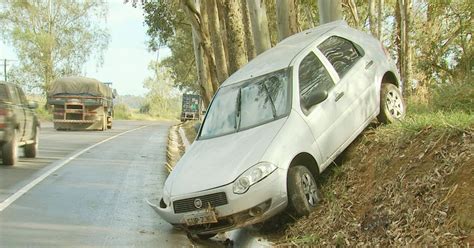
252 176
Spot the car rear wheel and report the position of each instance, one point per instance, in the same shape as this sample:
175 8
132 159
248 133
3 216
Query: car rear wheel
303 192
10 151
392 107
32 149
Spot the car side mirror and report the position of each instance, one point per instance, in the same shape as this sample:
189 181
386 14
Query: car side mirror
317 97
32 105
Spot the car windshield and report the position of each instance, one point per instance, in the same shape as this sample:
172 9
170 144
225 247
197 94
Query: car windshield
247 104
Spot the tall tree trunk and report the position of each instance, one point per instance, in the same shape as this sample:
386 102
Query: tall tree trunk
398 36
205 63
249 42
204 84
329 11
208 50
372 22
403 53
287 21
235 36
354 12
217 45
223 34
407 47
259 21
380 19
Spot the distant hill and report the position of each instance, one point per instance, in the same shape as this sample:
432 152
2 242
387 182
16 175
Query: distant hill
133 102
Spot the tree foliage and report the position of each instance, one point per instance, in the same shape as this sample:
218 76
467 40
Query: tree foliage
53 38
431 40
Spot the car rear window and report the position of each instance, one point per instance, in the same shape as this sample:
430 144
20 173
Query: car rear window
341 53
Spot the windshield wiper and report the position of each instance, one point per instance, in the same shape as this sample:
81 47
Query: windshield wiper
238 108
271 101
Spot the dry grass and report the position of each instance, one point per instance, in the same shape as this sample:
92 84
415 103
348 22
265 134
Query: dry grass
396 190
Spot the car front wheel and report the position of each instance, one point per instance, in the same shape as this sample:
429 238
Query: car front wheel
303 192
392 107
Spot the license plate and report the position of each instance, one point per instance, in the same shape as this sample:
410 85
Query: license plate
200 218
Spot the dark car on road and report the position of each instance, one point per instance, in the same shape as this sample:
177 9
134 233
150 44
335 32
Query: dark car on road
19 126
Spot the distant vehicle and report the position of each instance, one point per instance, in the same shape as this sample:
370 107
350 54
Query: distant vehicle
81 103
191 107
19 126
276 124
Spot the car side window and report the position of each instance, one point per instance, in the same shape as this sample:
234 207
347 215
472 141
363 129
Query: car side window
22 96
341 53
313 78
14 95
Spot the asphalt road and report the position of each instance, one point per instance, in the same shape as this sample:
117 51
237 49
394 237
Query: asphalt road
89 188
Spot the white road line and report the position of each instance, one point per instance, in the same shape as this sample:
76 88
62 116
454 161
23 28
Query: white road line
26 188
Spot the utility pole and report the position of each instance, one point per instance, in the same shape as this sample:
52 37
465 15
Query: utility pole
5 63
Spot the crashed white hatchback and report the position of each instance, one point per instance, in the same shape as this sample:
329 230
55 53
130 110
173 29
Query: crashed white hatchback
277 123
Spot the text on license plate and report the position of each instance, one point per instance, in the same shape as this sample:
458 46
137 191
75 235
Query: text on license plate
200 218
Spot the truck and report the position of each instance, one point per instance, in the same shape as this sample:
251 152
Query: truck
19 125
191 107
81 103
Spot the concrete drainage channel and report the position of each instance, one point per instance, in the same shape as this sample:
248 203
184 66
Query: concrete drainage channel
246 237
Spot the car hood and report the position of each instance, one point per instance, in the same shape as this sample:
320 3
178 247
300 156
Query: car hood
215 162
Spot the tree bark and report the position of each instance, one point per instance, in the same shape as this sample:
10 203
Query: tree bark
287 23
249 42
372 22
223 34
204 84
208 50
380 19
259 21
354 12
329 11
235 36
217 45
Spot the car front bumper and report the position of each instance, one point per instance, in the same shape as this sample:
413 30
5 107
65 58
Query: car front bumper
262 201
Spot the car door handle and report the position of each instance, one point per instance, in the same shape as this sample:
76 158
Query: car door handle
369 64
339 96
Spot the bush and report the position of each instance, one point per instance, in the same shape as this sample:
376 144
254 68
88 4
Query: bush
454 97
122 112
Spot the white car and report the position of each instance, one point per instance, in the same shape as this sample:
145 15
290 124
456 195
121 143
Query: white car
276 124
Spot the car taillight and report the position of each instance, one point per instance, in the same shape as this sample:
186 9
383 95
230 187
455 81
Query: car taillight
4 113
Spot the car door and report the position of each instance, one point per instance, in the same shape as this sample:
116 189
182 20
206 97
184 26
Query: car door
18 111
29 115
352 89
314 78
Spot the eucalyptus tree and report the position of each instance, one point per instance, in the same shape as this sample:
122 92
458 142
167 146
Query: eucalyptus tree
53 38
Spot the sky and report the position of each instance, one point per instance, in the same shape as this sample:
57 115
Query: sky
126 59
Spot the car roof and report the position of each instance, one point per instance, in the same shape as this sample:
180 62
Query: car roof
281 55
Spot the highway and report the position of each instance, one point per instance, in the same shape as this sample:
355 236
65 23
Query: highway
89 188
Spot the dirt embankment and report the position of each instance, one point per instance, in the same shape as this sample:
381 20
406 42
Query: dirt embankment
413 190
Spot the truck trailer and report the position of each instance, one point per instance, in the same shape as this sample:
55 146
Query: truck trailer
81 103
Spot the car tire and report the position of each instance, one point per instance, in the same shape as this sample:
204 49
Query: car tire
303 192
10 151
206 236
392 107
31 150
